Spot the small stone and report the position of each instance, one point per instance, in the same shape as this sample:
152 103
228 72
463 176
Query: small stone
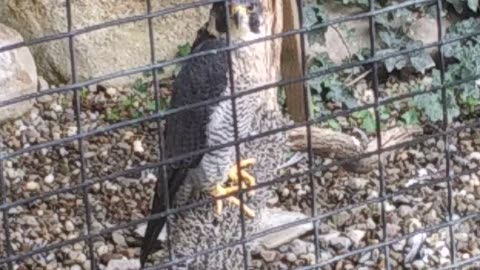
69 226
119 239
298 247
103 249
444 252
76 267
77 256
462 237
389 207
465 178
56 108
371 224
474 156
273 200
393 229
404 211
310 258
11 173
45 99
49 179
42 84
138 147
341 243
72 131
291 257
440 145
285 192
32 185
128 135
356 236
123 264
111 92
359 183
268 256
418 264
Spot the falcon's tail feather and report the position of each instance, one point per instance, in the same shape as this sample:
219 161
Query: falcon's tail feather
155 226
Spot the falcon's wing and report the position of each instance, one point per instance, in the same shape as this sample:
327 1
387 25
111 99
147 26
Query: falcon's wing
200 79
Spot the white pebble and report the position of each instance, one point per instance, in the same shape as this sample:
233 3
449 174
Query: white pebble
138 147
55 107
475 156
356 236
72 131
111 91
49 179
119 239
32 185
69 227
76 267
444 252
56 135
150 178
103 249
389 207
128 135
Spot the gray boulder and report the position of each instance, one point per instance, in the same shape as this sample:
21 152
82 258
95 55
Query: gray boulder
18 74
106 50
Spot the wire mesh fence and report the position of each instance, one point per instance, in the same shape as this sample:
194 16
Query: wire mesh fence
84 182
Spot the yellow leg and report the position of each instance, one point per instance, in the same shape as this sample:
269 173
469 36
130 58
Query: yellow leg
221 191
246 180
246 177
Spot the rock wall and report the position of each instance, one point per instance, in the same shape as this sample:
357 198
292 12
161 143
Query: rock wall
102 51
18 74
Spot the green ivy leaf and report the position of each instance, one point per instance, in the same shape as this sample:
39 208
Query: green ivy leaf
430 104
360 114
312 15
368 123
422 62
140 86
333 124
184 50
410 117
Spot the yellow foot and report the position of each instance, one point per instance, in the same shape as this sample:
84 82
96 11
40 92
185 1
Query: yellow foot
222 191
246 180
246 177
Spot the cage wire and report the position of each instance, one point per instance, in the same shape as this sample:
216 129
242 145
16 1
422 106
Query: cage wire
12 257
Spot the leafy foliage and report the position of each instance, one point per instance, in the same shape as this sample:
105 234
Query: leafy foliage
392 28
184 50
329 87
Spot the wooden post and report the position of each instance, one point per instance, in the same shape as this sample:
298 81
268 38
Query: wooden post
291 62
273 49
284 57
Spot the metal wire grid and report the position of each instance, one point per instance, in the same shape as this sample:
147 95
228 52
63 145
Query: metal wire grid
157 116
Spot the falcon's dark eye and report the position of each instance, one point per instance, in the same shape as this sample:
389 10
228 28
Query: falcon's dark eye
251 8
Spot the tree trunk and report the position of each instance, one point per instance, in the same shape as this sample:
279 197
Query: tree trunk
273 48
284 58
292 62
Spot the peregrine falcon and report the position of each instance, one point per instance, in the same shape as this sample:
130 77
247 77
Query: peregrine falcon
206 78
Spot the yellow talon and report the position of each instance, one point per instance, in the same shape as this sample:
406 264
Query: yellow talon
219 191
247 180
246 177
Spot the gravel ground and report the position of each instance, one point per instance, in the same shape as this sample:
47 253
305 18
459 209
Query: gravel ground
61 217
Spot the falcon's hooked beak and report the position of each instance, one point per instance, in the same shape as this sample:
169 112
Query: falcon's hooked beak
238 13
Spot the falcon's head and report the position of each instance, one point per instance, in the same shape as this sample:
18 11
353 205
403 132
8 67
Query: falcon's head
245 19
